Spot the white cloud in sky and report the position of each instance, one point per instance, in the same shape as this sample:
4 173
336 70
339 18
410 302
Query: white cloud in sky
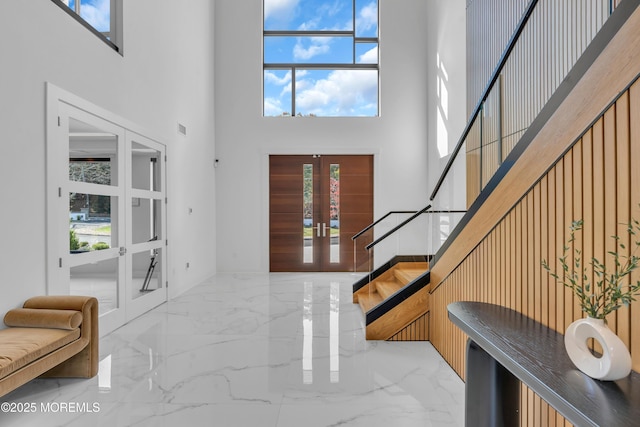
327 13
332 9
370 56
97 13
318 47
343 92
311 24
271 77
368 17
279 8
338 93
273 107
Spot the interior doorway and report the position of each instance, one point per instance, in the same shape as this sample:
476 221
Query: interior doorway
106 210
316 204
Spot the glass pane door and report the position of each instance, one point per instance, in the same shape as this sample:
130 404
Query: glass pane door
106 222
146 235
94 205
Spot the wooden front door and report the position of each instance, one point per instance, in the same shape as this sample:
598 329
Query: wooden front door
316 204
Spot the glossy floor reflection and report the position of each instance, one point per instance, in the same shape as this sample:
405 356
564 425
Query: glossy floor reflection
252 350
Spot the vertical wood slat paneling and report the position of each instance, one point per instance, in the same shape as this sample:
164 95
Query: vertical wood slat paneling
623 178
594 181
634 148
418 330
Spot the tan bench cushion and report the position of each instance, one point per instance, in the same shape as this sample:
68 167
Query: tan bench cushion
21 346
43 318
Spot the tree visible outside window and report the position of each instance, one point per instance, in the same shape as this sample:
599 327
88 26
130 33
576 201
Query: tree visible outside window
321 58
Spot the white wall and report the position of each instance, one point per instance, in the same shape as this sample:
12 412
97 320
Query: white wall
244 139
447 115
447 76
164 77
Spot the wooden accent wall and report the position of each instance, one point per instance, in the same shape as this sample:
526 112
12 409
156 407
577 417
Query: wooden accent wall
418 330
597 180
400 317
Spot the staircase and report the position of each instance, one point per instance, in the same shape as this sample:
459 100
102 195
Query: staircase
394 300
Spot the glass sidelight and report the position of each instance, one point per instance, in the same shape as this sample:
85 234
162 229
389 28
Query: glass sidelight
334 213
307 214
321 221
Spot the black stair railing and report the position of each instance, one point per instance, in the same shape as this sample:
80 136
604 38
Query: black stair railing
367 233
398 227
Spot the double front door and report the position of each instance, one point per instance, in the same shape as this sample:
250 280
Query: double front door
316 204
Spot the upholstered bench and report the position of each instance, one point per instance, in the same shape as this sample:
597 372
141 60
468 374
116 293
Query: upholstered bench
51 336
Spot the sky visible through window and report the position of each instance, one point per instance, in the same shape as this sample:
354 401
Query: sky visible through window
334 90
95 12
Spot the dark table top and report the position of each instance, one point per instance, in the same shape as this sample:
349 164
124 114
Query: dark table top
536 355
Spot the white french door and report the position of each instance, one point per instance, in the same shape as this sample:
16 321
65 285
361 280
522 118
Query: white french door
106 214
145 236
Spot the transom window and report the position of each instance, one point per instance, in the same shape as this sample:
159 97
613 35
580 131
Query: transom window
320 58
101 17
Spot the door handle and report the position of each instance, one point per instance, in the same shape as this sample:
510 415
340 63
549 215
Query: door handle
324 229
123 250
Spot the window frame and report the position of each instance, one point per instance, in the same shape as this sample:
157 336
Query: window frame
113 38
294 66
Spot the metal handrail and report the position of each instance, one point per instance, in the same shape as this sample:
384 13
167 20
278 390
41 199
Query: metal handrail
370 226
494 78
398 227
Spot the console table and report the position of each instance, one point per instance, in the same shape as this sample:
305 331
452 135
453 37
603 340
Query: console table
506 348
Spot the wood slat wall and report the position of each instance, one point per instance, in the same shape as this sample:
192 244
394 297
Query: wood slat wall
593 181
418 330
399 317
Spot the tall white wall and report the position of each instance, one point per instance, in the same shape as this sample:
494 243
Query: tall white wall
447 74
244 139
447 117
164 77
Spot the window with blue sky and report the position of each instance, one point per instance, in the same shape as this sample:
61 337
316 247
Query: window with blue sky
321 58
100 16
95 12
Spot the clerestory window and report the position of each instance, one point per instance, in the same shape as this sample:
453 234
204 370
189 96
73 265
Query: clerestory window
320 58
101 17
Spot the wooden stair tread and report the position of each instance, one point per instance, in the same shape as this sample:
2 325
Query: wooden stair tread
408 311
407 275
368 301
412 265
388 288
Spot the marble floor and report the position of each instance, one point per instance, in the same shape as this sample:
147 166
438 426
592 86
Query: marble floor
263 350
